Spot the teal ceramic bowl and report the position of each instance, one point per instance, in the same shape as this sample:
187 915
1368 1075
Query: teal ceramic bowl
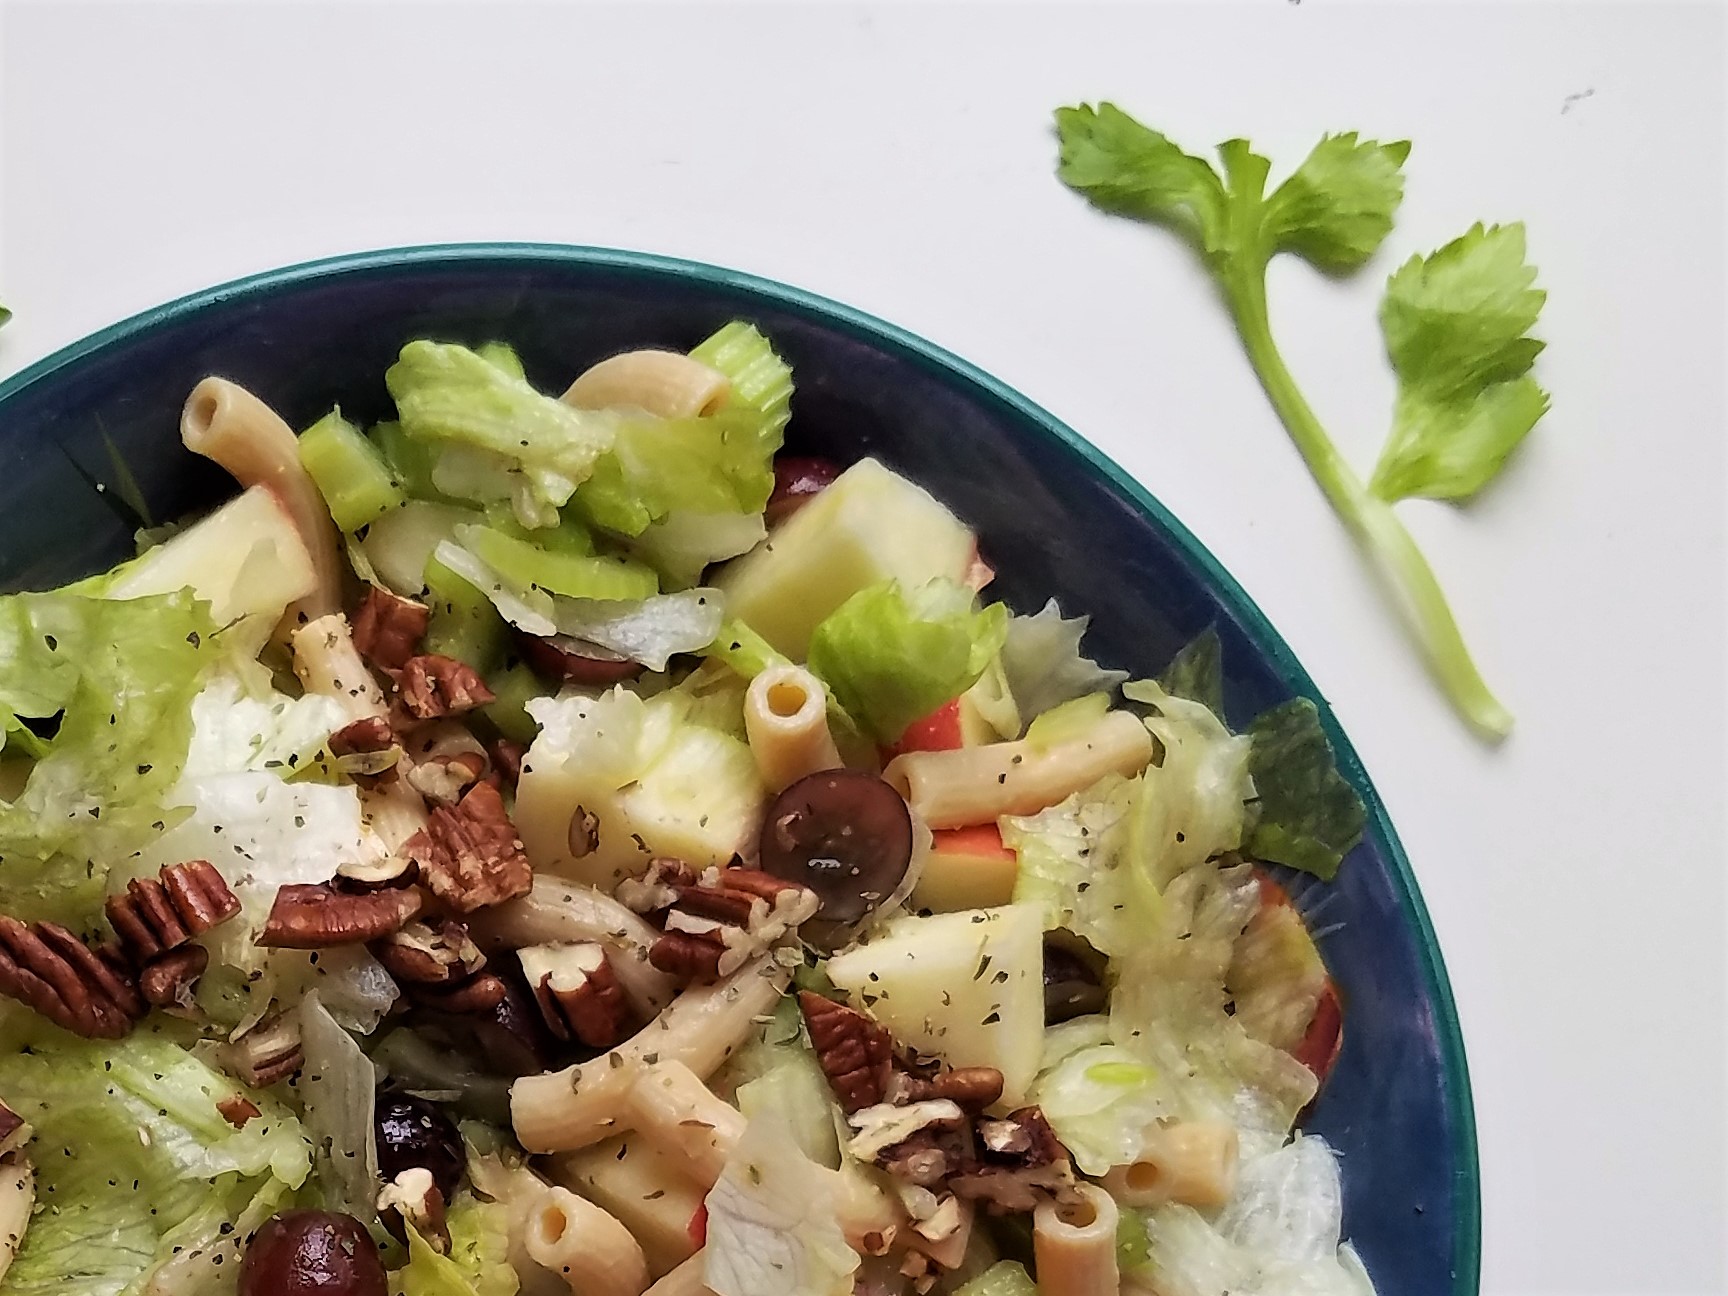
1054 515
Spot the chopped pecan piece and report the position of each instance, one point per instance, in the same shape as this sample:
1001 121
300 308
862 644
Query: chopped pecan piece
884 1126
855 1052
414 1196
427 955
388 628
15 1131
47 968
237 1109
507 754
433 686
376 874
366 749
269 1052
154 915
469 853
578 993
314 915
974 1088
688 956
1021 1164
166 981
765 907
444 778
657 888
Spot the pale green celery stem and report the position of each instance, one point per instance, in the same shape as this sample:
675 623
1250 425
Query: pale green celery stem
1370 520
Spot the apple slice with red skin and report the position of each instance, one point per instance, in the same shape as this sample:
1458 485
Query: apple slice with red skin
1320 1043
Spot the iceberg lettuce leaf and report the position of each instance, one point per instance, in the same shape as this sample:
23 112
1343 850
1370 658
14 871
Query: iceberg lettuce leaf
1073 865
133 1158
479 1259
893 655
1043 664
112 682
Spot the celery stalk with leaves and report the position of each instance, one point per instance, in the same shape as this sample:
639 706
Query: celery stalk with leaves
1455 324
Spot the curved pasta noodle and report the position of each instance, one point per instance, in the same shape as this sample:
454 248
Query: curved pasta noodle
1075 1244
556 912
583 1104
667 384
228 424
583 1245
17 1197
786 721
327 662
645 1188
670 1106
973 785
1193 1162
685 1280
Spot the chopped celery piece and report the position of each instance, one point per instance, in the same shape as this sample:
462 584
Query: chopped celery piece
572 575
410 461
356 482
1004 1278
761 380
501 355
512 690
744 650
569 536
1067 721
464 623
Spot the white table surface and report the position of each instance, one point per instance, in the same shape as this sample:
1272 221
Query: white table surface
899 158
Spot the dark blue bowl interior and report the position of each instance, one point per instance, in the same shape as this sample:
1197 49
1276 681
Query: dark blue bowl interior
1054 516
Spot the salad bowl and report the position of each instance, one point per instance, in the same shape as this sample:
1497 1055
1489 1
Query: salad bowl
90 452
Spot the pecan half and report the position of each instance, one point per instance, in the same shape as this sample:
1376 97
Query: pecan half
578 993
269 1052
855 1052
47 968
154 915
168 979
388 628
469 854
432 686
314 915
427 955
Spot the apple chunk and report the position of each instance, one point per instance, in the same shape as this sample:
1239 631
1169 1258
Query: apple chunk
967 987
869 526
966 868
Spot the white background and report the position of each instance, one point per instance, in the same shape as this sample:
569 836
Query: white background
899 158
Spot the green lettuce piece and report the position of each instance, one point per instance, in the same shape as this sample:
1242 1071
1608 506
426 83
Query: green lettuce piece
120 676
1102 1101
1193 805
1455 325
1042 663
1196 672
893 655
1073 865
448 395
1310 815
479 1260
1004 1278
134 1160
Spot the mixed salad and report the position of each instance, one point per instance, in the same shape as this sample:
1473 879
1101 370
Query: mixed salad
565 844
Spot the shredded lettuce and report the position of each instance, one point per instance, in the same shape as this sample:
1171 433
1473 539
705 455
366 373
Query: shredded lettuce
893 655
773 1228
1073 864
448 395
339 1089
479 1259
1042 662
133 1159
1195 799
682 545
1277 1236
1168 1008
1101 1100
649 631
112 682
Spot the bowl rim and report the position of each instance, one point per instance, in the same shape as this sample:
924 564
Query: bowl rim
1467 1249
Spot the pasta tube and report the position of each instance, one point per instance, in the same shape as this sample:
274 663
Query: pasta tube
1193 1162
585 1246
667 384
1075 1245
786 721
645 1188
973 785
228 424
583 1104
671 1107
